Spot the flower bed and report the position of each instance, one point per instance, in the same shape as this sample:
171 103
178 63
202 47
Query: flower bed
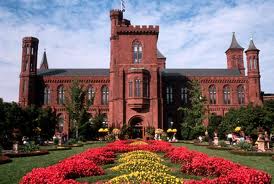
4 159
27 154
139 163
197 163
219 148
251 153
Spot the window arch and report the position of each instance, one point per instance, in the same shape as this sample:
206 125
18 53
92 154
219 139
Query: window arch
169 95
145 88
91 94
104 93
137 52
130 83
241 94
212 94
46 95
60 124
254 63
61 95
226 93
137 89
184 95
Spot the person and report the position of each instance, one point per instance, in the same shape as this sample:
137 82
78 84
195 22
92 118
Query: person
229 138
266 139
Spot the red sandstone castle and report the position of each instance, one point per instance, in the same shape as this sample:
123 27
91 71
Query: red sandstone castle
138 90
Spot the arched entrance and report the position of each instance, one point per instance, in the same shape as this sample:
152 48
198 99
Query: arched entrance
137 129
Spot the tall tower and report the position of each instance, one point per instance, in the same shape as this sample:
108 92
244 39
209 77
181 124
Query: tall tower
253 73
234 56
134 73
28 71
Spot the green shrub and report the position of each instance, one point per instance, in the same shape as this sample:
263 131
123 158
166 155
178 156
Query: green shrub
72 141
245 146
223 144
29 147
55 141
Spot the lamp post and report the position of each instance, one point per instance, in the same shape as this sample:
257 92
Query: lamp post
171 124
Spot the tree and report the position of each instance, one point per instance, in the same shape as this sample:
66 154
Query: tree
77 105
194 114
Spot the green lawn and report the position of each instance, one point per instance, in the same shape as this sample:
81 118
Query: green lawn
12 172
259 162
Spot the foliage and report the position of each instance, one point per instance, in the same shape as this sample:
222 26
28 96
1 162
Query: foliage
249 118
77 105
192 126
55 141
26 121
214 122
72 141
245 146
222 144
29 147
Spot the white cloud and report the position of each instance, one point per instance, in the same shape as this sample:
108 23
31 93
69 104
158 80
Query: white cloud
76 33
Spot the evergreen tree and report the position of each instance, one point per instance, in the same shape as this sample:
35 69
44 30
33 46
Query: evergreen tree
77 106
194 114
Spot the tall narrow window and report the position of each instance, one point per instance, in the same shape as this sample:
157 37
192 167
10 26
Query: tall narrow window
169 95
105 93
130 88
241 94
61 95
46 96
226 94
145 88
250 63
91 94
212 94
137 52
60 124
255 63
137 88
184 95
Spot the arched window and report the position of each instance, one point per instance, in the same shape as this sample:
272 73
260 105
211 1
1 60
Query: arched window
137 52
104 93
46 96
226 94
145 88
130 88
255 63
184 95
137 88
169 95
91 94
241 94
250 63
212 94
61 95
60 124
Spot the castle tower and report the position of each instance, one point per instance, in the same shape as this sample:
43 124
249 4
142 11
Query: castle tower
234 56
28 71
253 73
134 69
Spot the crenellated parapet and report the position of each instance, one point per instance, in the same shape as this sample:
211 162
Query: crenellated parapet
138 29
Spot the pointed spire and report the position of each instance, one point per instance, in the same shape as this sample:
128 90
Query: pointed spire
44 63
234 44
252 46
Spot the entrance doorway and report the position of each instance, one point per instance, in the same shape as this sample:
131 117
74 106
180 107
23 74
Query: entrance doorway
137 129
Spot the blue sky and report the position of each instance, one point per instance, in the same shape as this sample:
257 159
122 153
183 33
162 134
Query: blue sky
75 33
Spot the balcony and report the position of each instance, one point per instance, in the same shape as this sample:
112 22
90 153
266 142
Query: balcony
138 103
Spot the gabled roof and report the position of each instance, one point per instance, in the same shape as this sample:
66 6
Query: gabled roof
201 72
160 55
252 46
74 72
234 44
44 63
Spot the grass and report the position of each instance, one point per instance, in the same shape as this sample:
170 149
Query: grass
258 162
12 172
